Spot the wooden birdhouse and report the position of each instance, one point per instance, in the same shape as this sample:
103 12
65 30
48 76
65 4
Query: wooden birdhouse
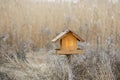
68 42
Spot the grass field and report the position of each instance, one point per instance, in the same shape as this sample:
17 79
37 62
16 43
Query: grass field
28 26
38 22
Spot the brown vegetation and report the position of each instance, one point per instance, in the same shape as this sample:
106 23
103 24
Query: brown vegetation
36 23
26 27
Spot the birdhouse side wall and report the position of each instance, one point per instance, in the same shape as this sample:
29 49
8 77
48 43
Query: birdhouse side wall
69 42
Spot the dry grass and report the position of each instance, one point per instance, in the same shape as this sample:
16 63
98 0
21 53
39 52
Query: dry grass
35 23
26 25
45 65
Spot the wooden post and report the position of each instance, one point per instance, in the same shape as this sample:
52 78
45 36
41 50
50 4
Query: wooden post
69 58
70 73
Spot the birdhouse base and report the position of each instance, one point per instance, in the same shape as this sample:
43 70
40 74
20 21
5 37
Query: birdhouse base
67 52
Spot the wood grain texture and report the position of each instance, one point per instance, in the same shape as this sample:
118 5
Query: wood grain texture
69 42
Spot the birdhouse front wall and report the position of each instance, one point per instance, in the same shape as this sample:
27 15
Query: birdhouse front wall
69 42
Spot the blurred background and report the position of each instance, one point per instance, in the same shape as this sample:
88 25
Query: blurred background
28 26
37 22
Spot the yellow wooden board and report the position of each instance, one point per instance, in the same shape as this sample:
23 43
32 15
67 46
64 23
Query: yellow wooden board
69 42
65 52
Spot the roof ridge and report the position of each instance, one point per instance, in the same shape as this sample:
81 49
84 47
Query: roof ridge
65 32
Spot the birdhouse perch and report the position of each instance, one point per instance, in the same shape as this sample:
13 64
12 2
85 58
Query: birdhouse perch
68 43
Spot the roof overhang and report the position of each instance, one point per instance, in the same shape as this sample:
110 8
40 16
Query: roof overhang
62 34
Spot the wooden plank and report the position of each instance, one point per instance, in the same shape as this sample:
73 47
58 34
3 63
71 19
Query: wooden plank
69 42
63 52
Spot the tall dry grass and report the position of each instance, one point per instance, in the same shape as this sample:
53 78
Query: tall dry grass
35 23
27 24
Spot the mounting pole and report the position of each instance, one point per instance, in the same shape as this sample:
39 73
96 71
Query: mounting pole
70 74
69 58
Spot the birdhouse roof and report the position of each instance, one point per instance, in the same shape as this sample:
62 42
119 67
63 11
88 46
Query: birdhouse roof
62 34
